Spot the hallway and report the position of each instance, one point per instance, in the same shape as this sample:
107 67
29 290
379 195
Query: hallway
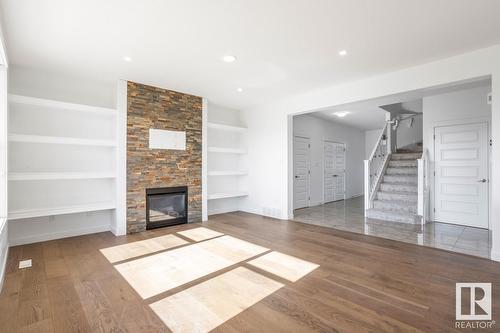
348 215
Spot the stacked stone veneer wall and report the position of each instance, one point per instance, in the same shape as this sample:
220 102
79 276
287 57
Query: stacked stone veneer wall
151 107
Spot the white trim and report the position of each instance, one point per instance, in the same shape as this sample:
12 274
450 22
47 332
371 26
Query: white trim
119 225
495 255
57 105
20 176
229 128
59 235
204 160
224 150
60 140
432 152
23 214
225 195
227 173
3 229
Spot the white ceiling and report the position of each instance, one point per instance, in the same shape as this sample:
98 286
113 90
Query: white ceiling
369 114
284 47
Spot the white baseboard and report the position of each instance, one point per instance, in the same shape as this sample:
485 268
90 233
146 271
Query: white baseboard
221 211
58 235
3 247
495 255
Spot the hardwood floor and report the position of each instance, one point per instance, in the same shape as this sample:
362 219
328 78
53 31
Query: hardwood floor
362 284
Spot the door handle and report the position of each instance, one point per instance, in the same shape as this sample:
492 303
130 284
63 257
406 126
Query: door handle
335 175
296 176
483 180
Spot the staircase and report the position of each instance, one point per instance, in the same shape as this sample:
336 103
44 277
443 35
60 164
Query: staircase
396 198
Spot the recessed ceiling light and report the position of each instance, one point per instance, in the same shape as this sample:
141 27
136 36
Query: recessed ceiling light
127 59
341 114
229 58
239 89
342 53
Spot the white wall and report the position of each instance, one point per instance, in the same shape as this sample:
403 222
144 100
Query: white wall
319 130
4 244
447 109
40 84
456 105
224 162
59 87
269 132
409 135
371 137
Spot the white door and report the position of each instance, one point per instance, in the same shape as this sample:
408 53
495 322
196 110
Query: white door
461 174
334 171
301 157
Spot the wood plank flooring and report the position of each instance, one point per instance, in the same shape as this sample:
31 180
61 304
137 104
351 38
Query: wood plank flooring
362 284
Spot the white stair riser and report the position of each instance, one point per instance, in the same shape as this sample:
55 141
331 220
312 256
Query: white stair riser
388 187
396 197
390 216
401 179
395 207
401 171
412 156
403 163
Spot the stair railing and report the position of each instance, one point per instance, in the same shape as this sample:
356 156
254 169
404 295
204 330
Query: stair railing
423 187
376 164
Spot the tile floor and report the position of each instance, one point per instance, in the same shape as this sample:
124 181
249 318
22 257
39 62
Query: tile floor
348 215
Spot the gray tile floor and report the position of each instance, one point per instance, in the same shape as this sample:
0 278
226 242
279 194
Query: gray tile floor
348 215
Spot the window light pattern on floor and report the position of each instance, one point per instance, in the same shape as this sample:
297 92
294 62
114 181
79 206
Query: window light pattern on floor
143 247
212 302
179 266
285 266
209 304
200 234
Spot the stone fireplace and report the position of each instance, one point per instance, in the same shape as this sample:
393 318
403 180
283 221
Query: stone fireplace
152 169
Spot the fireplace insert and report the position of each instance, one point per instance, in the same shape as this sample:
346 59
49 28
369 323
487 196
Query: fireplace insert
166 206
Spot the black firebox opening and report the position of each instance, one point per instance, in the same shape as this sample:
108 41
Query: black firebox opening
166 206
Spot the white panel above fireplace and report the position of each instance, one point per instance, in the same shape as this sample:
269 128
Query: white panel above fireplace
165 139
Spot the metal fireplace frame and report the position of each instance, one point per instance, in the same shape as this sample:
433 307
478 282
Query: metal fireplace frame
162 191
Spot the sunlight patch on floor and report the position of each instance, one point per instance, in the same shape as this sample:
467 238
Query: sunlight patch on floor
143 247
199 234
207 305
285 266
161 272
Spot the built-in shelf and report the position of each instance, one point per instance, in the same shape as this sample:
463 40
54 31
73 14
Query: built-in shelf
56 105
226 195
223 127
226 150
227 173
59 175
23 214
60 140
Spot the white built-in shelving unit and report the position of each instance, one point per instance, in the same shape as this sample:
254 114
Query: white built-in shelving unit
227 166
62 158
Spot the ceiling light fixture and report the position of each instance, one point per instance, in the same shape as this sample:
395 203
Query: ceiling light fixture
342 53
239 89
229 58
341 114
127 59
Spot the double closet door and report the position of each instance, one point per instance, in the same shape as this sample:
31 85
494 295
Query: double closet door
334 171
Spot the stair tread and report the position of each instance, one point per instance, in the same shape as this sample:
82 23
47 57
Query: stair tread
397 192
392 212
405 217
396 202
